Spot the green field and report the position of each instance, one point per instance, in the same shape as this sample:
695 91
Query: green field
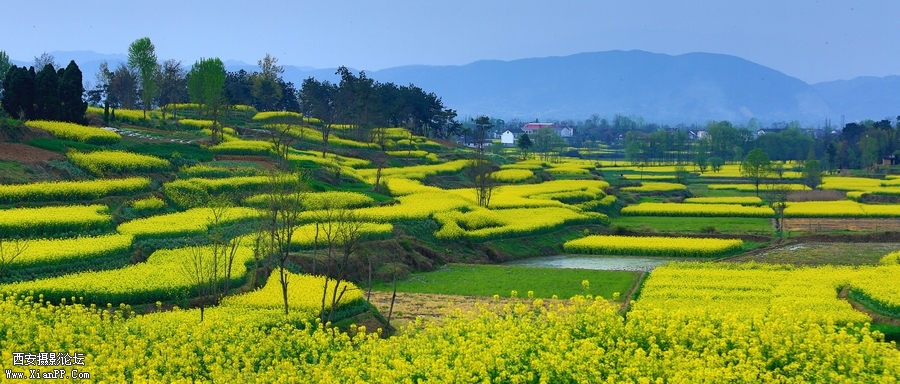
813 254
489 280
738 225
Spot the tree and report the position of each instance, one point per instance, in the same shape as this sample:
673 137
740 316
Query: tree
4 68
756 167
46 94
681 174
142 59
223 241
44 59
485 182
341 230
18 95
778 169
201 270
317 99
123 88
282 217
812 174
482 125
9 251
71 92
524 144
206 84
172 81
778 196
701 161
716 163
239 88
543 142
266 87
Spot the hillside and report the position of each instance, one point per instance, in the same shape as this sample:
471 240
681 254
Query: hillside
688 88
864 97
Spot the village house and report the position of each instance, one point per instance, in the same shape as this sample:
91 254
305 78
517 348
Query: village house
562 131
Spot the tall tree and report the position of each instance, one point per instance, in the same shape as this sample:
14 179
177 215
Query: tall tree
45 58
206 85
286 192
812 173
18 97
123 88
289 97
71 94
524 144
46 94
172 83
317 99
239 88
266 86
4 68
756 167
142 59
482 126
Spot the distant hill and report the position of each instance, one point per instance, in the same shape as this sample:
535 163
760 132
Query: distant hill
694 87
864 97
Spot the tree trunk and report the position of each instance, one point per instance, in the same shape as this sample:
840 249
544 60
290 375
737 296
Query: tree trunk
393 297
284 287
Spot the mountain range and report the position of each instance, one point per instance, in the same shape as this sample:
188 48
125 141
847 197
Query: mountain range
688 88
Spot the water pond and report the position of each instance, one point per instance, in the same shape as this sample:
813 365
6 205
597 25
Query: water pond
606 263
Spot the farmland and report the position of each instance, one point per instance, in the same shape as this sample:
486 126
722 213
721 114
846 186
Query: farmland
248 258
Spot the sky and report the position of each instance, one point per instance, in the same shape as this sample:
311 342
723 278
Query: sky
812 40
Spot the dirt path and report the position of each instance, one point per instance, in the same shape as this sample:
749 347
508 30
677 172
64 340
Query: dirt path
428 306
27 154
820 224
845 294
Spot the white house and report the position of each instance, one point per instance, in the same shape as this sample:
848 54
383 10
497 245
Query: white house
508 138
564 131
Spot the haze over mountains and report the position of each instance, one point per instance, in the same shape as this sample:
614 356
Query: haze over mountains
688 88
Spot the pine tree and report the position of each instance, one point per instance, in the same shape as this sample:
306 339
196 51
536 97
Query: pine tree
71 90
46 94
18 94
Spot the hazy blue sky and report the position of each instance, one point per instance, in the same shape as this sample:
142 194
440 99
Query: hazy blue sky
812 40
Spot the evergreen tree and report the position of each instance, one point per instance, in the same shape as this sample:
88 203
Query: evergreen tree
71 90
18 95
4 68
46 94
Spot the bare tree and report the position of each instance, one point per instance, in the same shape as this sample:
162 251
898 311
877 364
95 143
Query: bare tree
778 197
286 193
210 263
198 270
281 138
224 241
342 235
485 182
9 251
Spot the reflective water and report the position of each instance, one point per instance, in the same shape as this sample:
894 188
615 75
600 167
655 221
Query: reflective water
607 263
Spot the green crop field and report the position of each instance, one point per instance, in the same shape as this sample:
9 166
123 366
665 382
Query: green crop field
490 280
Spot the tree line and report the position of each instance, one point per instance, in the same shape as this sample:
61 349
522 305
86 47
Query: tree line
857 145
51 93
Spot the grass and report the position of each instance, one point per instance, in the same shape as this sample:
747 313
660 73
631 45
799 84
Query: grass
235 164
13 173
60 146
489 280
165 150
737 225
701 190
891 332
814 254
540 244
